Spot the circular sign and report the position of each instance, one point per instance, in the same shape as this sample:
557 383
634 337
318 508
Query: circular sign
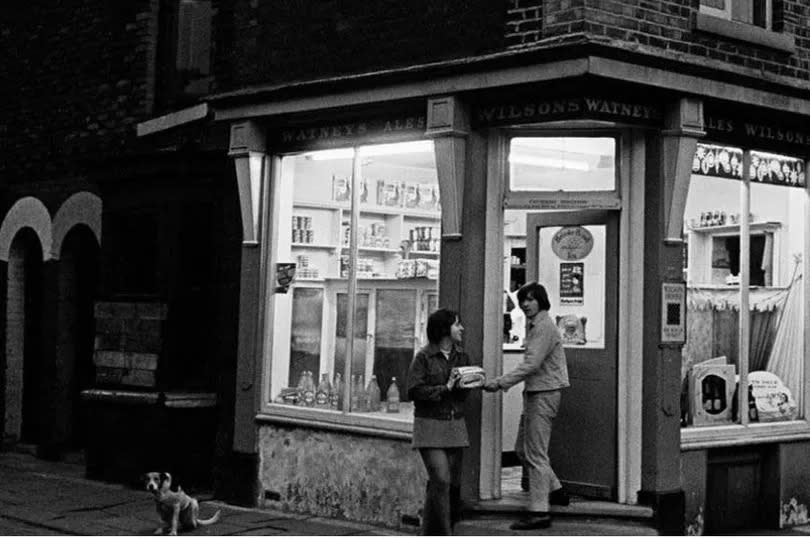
572 243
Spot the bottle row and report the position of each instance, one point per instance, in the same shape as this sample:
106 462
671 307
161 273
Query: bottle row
329 395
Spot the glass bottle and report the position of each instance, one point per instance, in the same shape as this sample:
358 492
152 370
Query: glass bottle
392 397
361 394
322 394
336 393
373 395
309 390
753 413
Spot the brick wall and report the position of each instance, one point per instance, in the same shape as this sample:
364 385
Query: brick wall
75 78
301 39
661 28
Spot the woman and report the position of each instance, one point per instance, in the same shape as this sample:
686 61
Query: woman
544 373
439 431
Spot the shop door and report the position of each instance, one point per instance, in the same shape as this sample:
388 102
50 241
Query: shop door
575 256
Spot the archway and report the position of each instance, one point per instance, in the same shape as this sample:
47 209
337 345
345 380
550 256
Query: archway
23 395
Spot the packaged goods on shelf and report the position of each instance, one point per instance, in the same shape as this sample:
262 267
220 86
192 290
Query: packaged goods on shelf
342 189
417 268
389 193
302 229
411 195
427 197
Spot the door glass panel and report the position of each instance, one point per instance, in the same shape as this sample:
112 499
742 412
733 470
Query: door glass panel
562 164
360 335
305 337
572 268
395 336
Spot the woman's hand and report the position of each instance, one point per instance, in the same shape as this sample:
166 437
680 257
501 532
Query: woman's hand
455 376
491 386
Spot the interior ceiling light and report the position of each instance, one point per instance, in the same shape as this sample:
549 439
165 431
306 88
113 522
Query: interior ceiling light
549 162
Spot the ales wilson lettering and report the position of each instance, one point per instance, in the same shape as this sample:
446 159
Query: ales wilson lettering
752 130
353 130
531 111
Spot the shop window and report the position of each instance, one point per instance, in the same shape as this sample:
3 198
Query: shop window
562 164
362 226
745 244
756 12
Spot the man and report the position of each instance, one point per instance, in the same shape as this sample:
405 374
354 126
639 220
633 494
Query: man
544 373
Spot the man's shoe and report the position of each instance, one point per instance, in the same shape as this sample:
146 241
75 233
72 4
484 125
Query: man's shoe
532 523
558 497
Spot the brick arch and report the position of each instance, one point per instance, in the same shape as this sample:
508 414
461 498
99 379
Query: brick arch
81 208
26 212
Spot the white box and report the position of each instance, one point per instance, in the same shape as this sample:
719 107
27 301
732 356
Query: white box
711 393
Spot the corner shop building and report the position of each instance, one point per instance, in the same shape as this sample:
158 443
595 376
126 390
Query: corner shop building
507 162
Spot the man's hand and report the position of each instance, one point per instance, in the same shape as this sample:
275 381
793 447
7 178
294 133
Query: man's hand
455 376
490 385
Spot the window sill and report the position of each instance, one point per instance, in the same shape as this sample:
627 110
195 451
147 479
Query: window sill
735 435
366 424
745 32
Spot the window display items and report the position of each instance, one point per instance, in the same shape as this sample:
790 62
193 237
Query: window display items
322 394
372 395
285 273
336 393
302 229
773 400
392 397
711 391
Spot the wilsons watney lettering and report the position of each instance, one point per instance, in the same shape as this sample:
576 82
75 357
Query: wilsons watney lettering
353 130
755 130
534 110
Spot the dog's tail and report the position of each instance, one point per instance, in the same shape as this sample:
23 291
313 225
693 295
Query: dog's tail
207 521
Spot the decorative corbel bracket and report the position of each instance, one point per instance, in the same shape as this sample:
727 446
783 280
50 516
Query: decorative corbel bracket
247 148
448 125
683 129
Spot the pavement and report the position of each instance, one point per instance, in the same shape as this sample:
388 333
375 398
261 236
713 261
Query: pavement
45 498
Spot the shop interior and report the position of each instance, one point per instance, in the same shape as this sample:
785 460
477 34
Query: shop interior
396 273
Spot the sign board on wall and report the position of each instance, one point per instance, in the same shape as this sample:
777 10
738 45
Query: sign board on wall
673 313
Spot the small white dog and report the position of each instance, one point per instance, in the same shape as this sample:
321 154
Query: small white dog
175 508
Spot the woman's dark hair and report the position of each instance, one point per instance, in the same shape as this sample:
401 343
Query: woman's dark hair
439 323
536 291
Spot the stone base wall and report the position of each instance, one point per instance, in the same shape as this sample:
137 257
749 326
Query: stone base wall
341 475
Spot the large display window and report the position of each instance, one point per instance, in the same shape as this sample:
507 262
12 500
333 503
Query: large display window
362 226
745 236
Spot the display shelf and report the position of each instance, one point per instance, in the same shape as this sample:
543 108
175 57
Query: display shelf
326 246
383 279
735 228
424 253
384 250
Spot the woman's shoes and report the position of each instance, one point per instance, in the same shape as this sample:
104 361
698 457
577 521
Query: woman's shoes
534 521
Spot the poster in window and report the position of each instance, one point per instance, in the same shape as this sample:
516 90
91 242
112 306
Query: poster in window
572 283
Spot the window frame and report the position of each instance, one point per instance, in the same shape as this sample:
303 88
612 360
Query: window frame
722 23
744 432
340 420
563 200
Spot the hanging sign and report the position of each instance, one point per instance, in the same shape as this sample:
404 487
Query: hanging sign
572 283
673 313
572 243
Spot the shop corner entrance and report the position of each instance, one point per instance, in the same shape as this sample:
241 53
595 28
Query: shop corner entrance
575 255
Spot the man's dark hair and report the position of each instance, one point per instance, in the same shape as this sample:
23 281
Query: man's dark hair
536 291
439 323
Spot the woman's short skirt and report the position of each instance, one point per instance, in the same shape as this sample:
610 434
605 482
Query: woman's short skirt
429 432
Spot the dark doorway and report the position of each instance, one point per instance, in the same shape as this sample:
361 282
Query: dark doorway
78 275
